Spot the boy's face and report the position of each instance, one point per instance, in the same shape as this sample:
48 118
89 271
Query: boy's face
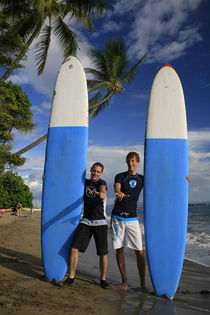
96 173
132 164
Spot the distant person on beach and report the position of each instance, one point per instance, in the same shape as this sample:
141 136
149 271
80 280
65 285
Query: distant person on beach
125 226
32 209
93 222
18 209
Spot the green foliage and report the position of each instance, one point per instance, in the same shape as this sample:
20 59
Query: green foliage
42 18
10 44
14 190
15 114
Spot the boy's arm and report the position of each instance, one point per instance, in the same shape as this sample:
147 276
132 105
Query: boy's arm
119 194
102 192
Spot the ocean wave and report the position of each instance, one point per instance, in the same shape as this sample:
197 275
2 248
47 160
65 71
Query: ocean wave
199 239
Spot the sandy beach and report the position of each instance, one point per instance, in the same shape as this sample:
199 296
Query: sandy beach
24 289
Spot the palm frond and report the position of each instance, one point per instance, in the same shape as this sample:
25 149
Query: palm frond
115 57
101 86
80 16
95 109
91 7
40 8
98 60
132 72
14 9
32 23
92 83
42 48
97 74
93 100
117 67
66 38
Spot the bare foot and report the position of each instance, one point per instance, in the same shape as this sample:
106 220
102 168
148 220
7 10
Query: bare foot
124 286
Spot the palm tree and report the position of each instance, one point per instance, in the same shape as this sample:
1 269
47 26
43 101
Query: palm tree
40 18
110 73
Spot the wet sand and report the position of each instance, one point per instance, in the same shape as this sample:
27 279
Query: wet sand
25 291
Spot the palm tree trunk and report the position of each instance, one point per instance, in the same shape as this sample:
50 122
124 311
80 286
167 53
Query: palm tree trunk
32 145
102 101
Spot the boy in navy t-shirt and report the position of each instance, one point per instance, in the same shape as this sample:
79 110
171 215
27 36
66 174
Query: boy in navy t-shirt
93 222
125 226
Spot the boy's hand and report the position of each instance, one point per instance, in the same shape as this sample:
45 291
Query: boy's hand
101 194
188 178
121 195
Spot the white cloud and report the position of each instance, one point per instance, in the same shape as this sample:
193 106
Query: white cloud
33 164
16 79
199 165
124 6
160 27
43 109
201 137
31 173
34 181
141 96
108 26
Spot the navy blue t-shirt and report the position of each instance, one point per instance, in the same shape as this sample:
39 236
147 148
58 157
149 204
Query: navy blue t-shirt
130 185
93 204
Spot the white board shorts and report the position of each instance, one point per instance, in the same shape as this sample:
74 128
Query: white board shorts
126 233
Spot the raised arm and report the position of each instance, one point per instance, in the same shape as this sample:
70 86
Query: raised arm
119 194
102 192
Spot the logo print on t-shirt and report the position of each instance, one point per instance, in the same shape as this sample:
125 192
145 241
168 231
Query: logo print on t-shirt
132 183
90 191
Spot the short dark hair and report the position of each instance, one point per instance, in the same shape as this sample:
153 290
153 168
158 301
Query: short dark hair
97 164
131 155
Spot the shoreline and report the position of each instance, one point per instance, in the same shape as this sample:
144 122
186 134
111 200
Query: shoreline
196 262
23 289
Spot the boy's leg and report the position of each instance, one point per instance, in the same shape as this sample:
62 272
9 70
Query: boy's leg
103 264
73 262
80 243
100 236
121 265
141 268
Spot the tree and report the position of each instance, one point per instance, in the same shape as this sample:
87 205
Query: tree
10 44
110 73
41 18
13 190
15 114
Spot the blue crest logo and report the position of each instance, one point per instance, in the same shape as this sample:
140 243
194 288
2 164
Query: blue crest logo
133 183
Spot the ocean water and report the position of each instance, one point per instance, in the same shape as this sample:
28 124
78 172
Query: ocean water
198 232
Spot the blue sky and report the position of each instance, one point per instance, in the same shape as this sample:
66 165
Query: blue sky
172 32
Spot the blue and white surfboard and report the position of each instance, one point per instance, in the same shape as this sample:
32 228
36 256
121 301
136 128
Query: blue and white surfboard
166 186
65 166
